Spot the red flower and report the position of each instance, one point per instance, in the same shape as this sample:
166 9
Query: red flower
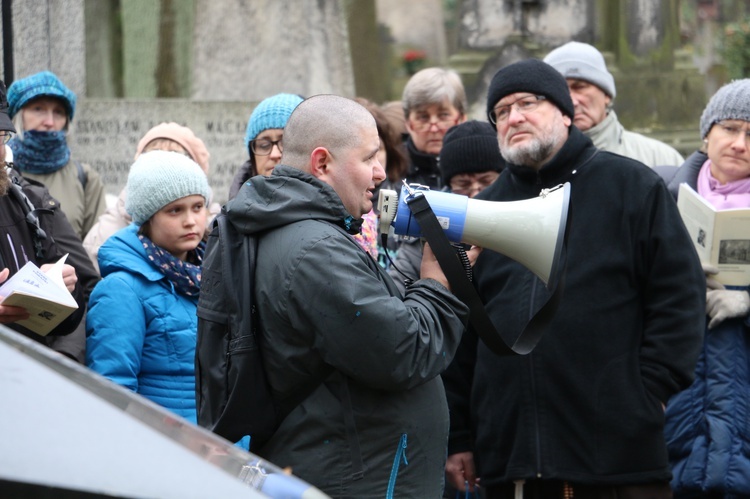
414 55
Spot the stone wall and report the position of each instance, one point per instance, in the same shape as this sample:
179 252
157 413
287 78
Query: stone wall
105 134
241 52
49 34
658 90
416 24
250 49
245 50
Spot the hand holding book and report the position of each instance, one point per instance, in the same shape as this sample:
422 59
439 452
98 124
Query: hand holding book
721 237
44 296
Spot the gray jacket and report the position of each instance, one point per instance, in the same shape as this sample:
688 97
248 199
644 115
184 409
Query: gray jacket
611 136
325 303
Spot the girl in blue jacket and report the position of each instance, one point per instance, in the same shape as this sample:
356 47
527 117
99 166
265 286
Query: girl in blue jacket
141 324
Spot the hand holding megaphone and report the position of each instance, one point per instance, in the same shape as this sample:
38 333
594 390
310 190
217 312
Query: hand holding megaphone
431 269
529 231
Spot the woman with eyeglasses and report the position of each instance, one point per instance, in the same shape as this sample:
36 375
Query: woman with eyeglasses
263 138
42 108
706 425
434 100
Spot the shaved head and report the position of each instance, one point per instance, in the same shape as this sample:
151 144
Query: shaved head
329 121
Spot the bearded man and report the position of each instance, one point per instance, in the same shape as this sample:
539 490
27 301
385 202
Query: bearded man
583 414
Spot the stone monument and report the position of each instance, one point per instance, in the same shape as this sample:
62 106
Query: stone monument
201 63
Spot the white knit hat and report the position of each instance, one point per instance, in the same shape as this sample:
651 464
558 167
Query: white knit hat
159 177
583 62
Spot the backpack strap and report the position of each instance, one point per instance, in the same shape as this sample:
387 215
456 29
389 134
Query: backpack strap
83 177
37 233
241 291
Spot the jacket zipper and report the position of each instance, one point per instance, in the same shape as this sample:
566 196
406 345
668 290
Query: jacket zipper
537 430
400 455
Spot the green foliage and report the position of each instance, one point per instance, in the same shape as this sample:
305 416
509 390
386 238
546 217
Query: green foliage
736 50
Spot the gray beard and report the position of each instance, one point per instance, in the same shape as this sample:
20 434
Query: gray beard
533 154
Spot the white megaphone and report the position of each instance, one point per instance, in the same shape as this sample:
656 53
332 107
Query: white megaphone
530 231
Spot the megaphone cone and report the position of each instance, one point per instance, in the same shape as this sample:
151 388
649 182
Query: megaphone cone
530 231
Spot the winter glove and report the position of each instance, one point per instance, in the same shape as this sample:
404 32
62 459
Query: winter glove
726 304
711 271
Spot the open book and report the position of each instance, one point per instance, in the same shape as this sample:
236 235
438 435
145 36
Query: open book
43 295
721 237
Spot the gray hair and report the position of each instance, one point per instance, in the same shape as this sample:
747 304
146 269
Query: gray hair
433 86
329 121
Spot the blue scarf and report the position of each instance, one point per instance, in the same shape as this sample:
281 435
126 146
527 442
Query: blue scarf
186 276
40 152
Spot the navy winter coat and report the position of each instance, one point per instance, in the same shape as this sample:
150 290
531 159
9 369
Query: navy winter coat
707 430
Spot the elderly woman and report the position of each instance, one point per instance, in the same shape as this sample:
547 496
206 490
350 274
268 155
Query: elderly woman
706 425
434 100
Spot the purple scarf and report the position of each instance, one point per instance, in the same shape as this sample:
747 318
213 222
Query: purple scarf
734 194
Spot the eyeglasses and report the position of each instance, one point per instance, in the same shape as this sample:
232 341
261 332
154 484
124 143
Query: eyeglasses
263 147
473 184
422 122
732 130
6 136
524 105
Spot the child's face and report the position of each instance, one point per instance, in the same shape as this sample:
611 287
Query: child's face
179 226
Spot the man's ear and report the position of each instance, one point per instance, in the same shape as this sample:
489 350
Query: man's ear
319 159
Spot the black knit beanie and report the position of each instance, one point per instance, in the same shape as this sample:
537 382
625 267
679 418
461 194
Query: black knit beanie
532 76
470 147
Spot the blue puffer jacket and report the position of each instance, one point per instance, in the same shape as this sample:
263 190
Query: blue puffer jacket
706 427
141 332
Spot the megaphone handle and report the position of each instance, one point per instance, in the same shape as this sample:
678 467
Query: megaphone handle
463 288
464 258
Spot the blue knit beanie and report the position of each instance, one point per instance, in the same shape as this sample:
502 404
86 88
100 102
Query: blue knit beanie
272 112
730 102
37 85
159 177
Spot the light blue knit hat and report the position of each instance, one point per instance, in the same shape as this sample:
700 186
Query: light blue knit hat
159 177
730 102
272 112
37 85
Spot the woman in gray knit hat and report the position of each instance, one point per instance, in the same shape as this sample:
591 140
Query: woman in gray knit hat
706 425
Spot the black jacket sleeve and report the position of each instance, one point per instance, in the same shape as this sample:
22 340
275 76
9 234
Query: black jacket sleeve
458 380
